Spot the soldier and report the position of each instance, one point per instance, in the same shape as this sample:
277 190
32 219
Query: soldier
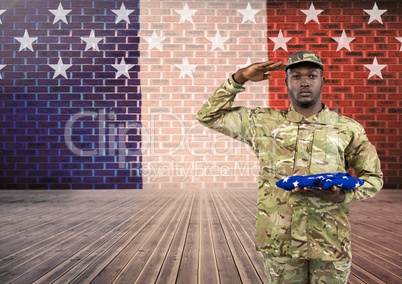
304 234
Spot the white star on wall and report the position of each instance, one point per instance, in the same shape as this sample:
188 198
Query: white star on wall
60 68
60 14
375 68
248 62
1 67
217 41
123 68
186 69
92 41
248 14
312 14
280 41
154 41
400 40
1 13
26 41
122 14
343 41
186 14
375 14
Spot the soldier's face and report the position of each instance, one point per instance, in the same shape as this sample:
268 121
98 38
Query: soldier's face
304 82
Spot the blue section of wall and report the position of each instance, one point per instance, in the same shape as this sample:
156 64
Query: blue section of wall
70 95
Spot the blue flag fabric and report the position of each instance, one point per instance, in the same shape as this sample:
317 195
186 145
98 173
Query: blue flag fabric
320 181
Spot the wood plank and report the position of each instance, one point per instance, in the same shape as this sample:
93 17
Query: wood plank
150 242
385 270
70 243
117 268
248 261
98 259
36 208
167 236
171 264
73 265
154 262
208 263
189 265
228 272
366 276
373 244
353 279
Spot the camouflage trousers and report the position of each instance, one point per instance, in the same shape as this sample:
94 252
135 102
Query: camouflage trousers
284 270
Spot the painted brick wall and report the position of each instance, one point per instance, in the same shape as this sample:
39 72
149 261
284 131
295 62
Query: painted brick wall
155 109
374 102
178 152
72 131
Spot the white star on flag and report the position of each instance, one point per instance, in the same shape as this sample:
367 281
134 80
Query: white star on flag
375 14
186 14
26 41
122 68
122 14
400 40
92 41
1 67
60 14
60 68
280 41
1 13
248 62
312 14
186 68
217 41
154 41
343 41
296 184
248 14
375 68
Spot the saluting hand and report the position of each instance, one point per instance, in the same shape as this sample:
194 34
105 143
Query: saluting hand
257 72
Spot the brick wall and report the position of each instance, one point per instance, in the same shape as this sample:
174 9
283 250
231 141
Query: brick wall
374 102
141 132
71 131
178 152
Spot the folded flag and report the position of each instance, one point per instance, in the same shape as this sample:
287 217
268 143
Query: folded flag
320 181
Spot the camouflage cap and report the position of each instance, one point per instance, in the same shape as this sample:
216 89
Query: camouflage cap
304 56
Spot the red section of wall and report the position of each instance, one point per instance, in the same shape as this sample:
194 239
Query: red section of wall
374 102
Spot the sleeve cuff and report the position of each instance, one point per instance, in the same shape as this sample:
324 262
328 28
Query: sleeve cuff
233 86
348 196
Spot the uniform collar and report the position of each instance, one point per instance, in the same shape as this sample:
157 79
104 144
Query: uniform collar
325 116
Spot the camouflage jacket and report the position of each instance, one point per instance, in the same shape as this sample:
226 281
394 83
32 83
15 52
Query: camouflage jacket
286 143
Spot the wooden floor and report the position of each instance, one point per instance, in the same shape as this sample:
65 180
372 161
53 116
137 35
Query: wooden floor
167 236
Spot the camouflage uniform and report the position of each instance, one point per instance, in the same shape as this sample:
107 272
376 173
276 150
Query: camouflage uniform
289 224
284 270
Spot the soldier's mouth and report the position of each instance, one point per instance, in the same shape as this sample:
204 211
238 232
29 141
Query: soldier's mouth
305 92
